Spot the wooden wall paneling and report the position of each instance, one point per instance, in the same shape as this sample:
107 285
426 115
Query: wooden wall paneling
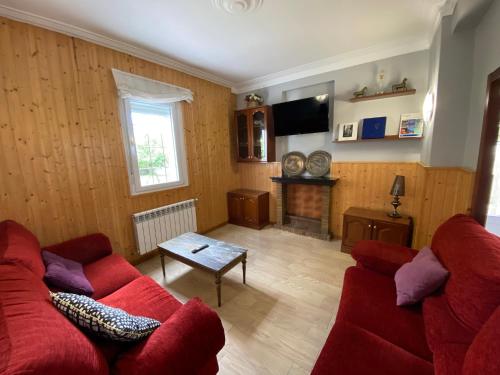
63 168
447 191
420 183
368 185
13 193
432 194
258 176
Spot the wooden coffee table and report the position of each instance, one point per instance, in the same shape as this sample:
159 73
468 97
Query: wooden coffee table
218 258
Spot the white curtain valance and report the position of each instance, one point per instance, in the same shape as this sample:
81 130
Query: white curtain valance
136 87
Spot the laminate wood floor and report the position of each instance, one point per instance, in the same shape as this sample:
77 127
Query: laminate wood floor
278 322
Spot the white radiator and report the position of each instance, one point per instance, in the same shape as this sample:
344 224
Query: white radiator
155 226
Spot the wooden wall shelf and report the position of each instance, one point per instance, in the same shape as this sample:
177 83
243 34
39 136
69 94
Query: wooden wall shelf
386 138
383 96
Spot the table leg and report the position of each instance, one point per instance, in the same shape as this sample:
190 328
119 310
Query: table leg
217 285
244 266
162 263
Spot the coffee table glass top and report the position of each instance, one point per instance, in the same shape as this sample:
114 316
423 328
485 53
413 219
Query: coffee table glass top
215 257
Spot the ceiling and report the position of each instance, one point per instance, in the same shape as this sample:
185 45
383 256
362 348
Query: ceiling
278 41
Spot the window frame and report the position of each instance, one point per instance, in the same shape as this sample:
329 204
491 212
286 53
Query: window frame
131 150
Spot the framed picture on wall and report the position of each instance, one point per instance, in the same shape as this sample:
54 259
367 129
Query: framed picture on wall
411 126
348 131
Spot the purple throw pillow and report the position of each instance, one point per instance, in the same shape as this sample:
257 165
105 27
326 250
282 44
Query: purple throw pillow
66 274
419 278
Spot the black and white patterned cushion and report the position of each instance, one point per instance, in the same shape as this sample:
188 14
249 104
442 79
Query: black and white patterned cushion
101 320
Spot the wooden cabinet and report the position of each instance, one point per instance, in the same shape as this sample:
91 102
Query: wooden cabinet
255 135
366 224
249 208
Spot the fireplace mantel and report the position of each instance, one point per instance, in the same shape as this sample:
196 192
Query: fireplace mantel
306 180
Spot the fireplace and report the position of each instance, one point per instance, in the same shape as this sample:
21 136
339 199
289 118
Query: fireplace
303 205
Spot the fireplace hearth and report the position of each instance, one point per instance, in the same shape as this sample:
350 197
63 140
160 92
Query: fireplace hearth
303 205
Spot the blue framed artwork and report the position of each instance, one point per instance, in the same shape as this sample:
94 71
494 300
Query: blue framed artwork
373 128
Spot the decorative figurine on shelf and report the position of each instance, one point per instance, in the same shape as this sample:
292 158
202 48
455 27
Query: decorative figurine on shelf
360 93
380 82
253 100
397 190
400 86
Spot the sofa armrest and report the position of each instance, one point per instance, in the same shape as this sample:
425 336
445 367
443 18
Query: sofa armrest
183 344
86 249
382 257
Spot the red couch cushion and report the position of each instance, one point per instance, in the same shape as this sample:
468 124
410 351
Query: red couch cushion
42 341
382 257
18 243
472 255
351 350
84 249
369 301
5 347
144 297
449 359
483 356
441 326
210 368
184 344
109 274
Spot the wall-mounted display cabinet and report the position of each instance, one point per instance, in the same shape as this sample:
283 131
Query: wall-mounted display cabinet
255 135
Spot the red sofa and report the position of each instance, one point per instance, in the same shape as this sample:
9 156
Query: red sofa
455 331
35 338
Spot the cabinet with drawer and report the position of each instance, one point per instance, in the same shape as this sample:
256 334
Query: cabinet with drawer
249 208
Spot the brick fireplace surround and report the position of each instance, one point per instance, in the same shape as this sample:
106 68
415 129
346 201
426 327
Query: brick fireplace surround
303 205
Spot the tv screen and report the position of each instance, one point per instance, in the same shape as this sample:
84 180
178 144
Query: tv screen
301 116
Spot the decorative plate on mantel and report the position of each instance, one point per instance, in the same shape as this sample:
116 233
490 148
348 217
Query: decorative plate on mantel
318 163
293 163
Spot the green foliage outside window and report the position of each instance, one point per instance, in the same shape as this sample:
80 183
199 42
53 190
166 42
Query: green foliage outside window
150 157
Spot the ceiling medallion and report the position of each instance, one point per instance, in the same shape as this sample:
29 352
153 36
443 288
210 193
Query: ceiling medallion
237 6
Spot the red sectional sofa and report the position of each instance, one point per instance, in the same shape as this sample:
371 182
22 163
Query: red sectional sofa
36 339
455 331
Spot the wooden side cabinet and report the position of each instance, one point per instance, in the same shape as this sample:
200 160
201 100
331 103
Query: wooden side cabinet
366 224
249 208
255 135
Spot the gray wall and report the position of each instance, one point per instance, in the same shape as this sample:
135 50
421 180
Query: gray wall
434 58
461 58
486 60
464 50
449 128
340 84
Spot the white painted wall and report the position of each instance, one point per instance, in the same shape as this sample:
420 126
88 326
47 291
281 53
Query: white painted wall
342 83
486 60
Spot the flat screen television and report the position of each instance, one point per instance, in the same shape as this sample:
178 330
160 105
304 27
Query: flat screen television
301 116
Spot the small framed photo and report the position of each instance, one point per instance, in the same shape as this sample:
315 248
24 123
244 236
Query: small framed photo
411 126
348 132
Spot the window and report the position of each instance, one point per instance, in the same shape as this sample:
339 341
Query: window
152 131
154 143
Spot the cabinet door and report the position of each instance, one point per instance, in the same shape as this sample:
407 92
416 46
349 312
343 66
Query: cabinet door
234 207
250 210
356 229
259 134
243 145
392 233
